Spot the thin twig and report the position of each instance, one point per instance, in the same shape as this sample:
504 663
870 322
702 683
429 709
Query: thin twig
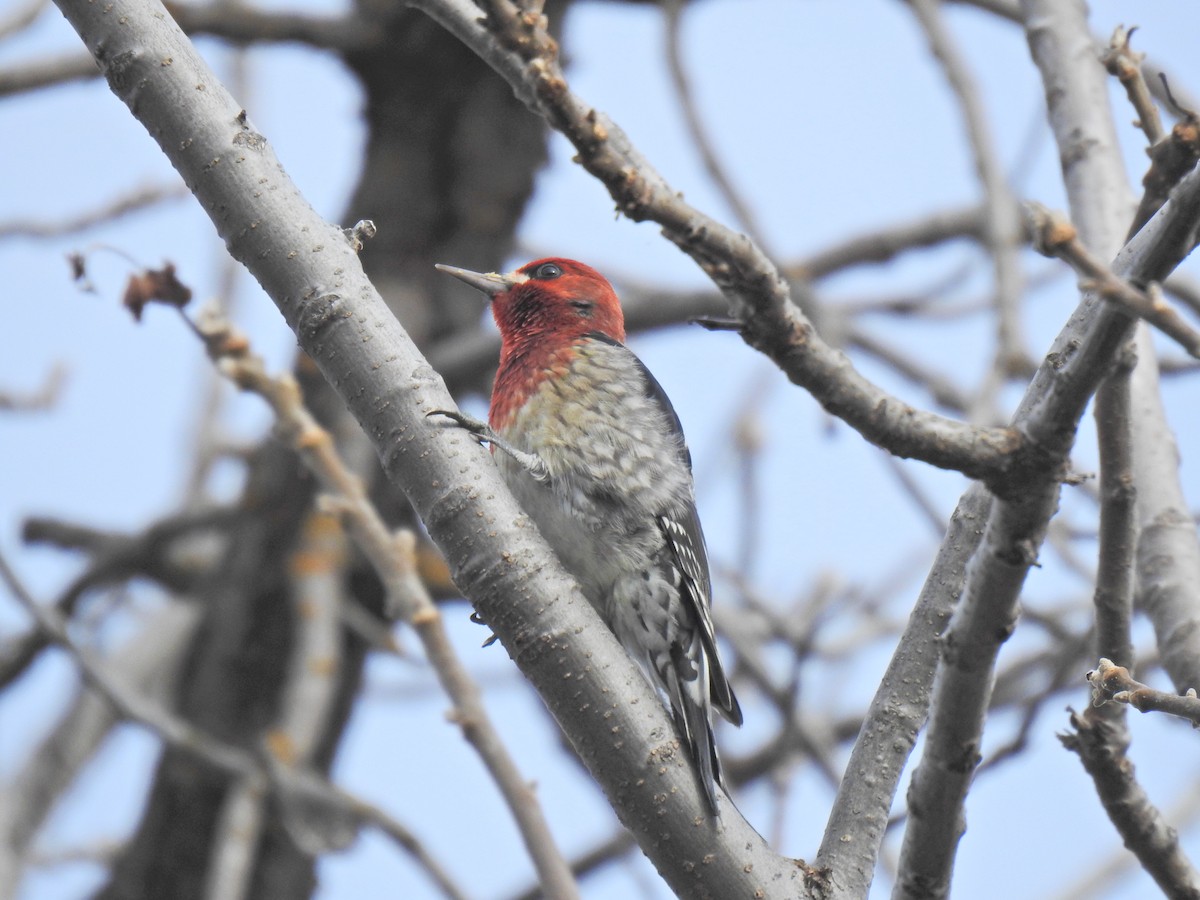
1002 228
1170 159
1171 155
1172 93
115 558
924 503
392 556
1059 671
771 321
1100 877
673 10
132 201
942 390
885 244
1184 289
1126 66
1102 750
1111 682
188 739
607 851
148 661
247 23
39 400
1055 236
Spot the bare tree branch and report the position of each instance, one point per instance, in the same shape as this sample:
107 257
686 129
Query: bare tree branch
525 55
1118 515
1125 65
17 20
147 662
393 558
43 398
241 23
1055 236
1002 232
1168 551
311 272
1112 682
133 201
898 711
1057 32
889 242
140 708
673 10
1139 822
1099 879
31 76
115 557
946 666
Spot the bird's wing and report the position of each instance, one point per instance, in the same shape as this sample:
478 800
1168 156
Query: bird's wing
685 537
687 544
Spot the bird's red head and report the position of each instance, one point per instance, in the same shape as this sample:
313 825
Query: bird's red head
558 299
543 309
549 300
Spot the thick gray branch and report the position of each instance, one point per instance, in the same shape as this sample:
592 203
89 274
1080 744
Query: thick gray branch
860 814
1049 415
1168 552
619 728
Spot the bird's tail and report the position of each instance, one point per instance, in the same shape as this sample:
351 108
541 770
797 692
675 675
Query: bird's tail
691 707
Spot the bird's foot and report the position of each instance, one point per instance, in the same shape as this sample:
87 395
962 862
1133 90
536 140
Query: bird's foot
477 428
483 432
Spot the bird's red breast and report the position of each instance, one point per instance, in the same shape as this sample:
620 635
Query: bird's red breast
552 307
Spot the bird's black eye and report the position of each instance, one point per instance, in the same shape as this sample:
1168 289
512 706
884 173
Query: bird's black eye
546 271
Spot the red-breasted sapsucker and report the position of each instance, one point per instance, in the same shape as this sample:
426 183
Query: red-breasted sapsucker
593 451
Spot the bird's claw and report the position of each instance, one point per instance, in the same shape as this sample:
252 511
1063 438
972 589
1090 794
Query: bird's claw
478 429
478 620
483 433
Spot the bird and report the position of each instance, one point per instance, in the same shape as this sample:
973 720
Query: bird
591 447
